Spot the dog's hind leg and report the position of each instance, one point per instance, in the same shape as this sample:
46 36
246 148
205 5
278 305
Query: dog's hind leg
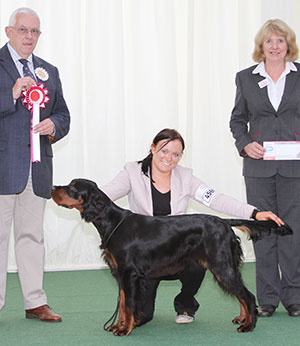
242 316
241 319
247 317
248 305
232 283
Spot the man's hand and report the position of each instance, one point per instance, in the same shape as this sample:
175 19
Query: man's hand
21 85
45 127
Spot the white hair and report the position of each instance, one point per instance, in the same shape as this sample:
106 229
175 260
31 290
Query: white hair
25 10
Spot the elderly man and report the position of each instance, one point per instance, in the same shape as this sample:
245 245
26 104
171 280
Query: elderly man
26 155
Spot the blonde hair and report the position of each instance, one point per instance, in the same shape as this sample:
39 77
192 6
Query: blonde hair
277 27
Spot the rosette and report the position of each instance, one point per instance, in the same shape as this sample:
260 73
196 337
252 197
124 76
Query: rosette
34 99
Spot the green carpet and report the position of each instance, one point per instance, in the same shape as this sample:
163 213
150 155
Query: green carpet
87 299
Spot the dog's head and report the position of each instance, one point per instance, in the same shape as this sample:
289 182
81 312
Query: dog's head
81 194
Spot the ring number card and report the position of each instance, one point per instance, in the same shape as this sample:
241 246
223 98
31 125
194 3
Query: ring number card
282 150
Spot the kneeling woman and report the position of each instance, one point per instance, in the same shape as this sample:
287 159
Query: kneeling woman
157 186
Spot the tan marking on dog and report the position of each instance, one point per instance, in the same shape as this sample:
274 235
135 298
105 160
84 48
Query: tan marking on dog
62 199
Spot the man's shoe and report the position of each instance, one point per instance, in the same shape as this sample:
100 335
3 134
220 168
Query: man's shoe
43 313
184 318
294 310
266 310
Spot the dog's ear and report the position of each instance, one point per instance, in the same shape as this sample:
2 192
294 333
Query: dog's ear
93 206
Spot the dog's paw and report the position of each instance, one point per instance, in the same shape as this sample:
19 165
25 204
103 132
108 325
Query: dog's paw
238 320
246 328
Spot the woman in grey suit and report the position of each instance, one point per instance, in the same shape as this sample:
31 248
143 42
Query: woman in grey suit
157 185
267 108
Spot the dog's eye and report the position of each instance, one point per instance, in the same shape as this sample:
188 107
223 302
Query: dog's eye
72 191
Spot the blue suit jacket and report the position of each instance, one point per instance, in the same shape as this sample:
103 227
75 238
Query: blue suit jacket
15 122
254 119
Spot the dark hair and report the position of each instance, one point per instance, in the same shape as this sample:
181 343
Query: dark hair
170 135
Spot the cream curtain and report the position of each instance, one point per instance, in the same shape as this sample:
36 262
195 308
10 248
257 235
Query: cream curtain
130 68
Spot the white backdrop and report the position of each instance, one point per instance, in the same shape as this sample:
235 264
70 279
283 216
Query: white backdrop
130 68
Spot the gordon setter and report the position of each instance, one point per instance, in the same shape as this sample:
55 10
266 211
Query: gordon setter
138 248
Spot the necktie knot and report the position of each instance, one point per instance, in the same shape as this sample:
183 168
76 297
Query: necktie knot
23 61
26 70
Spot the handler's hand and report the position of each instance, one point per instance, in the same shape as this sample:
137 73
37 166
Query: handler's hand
45 127
22 84
268 215
254 150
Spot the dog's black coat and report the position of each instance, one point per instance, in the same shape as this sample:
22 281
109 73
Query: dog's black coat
138 248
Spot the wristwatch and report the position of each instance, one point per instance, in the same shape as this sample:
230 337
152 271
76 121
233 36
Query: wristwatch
255 211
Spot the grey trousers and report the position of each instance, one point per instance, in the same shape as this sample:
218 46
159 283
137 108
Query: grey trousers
277 258
25 211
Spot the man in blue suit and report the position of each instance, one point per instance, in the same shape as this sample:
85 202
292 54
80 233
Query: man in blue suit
25 183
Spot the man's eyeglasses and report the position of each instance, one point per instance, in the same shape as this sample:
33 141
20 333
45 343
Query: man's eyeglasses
24 31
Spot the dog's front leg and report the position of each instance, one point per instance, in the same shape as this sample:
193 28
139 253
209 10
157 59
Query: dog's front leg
130 321
122 316
125 323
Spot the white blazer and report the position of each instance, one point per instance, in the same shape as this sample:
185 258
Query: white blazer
133 182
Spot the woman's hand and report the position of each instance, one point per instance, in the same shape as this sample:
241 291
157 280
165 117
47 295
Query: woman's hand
254 150
268 215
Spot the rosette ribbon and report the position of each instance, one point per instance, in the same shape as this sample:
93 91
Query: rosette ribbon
35 99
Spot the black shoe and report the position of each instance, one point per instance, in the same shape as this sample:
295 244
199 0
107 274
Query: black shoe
266 310
294 310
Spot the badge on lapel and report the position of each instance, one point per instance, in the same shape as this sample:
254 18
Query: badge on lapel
42 74
263 83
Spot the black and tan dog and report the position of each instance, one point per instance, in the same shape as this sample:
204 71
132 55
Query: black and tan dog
138 248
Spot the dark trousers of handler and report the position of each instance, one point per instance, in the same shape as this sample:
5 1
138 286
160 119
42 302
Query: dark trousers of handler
185 301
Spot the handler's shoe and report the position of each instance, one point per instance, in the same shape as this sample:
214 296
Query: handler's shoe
43 313
184 318
294 310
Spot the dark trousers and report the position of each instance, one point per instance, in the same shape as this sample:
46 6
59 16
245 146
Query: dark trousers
185 301
277 257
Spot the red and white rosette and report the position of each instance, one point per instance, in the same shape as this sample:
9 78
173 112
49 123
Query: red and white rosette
35 98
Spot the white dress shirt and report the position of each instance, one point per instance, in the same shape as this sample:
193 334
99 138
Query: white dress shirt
15 56
275 90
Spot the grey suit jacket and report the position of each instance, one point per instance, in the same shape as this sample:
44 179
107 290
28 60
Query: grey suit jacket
15 122
254 119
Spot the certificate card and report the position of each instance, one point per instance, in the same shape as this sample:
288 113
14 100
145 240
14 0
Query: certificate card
282 150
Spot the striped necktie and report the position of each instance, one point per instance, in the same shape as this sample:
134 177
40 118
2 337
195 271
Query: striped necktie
26 71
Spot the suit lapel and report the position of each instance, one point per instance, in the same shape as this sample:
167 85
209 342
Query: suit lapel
175 183
147 198
37 62
8 64
262 92
290 82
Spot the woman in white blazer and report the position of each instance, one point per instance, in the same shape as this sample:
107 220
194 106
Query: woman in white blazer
158 186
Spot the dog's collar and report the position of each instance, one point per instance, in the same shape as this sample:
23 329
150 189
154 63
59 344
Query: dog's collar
106 241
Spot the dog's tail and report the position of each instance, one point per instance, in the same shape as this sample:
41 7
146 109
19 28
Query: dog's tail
256 229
